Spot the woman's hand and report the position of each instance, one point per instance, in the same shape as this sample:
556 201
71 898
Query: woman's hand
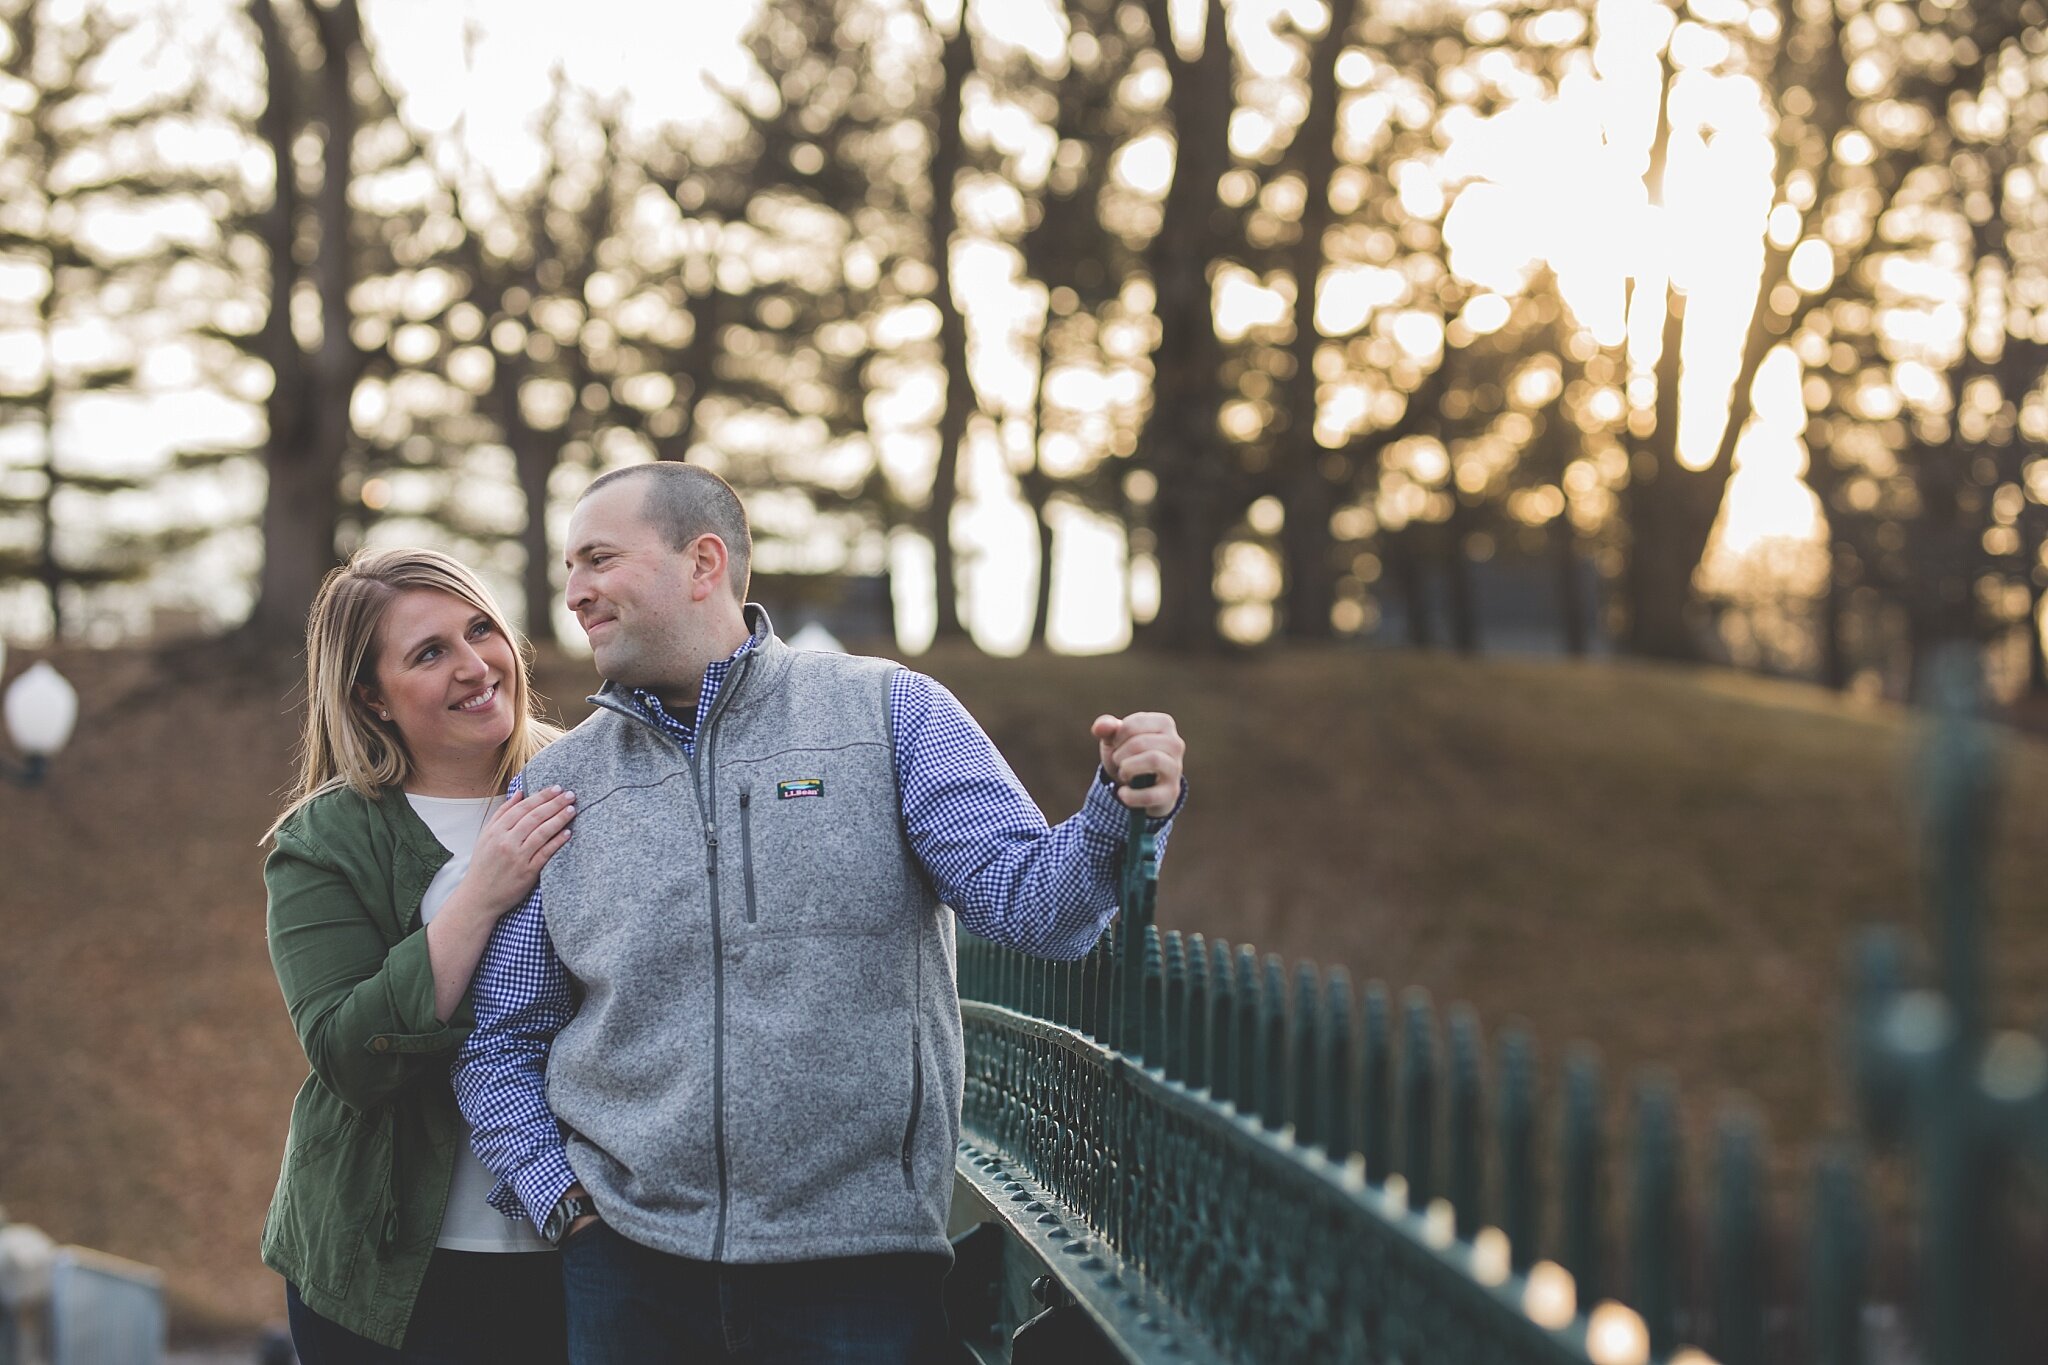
514 845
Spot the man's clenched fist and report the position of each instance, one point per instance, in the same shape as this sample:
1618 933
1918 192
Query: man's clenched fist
1142 742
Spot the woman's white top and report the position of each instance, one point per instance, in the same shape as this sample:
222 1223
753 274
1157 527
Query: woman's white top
470 1224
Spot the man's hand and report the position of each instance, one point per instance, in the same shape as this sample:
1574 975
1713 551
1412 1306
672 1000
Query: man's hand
581 1223
1142 742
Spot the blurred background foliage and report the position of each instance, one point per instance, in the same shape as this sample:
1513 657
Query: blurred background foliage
1701 331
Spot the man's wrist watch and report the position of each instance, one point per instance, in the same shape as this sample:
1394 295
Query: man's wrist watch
564 1214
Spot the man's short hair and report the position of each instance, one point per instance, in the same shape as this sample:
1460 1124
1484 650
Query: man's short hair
684 501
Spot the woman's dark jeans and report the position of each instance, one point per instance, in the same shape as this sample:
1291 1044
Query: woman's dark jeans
630 1305
474 1308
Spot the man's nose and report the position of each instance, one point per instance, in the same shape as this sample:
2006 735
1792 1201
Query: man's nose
578 592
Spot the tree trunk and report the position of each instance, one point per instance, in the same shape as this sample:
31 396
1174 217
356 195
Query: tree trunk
1460 593
534 457
2037 658
1834 656
338 364
694 380
48 569
1182 445
1310 496
1671 509
1404 565
1186 529
1571 604
1830 623
1939 607
1037 488
948 154
298 511
49 572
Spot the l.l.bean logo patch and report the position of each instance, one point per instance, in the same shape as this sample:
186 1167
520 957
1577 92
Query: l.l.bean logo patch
797 787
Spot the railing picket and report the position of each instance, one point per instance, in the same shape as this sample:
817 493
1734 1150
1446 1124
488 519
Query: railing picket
1274 1024
1418 1096
1151 1037
1519 1197
1095 992
1337 1088
1739 1246
1583 1152
1376 1083
1173 1007
1222 1048
1465 1120
1840 1234
1244 1035
1193 1022
1068 993
1304 1106
1654 1215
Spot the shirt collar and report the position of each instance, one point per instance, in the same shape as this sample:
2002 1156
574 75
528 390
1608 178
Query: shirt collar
650 705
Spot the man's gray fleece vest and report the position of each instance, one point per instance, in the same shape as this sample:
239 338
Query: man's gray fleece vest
765 1062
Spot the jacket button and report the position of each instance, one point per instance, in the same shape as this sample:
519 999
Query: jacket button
380 1045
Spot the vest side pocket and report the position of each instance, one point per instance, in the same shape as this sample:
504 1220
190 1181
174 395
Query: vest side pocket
916 1110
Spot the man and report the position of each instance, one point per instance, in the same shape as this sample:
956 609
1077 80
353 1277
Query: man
718 1054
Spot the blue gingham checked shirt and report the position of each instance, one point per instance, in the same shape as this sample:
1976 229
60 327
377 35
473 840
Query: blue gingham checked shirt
990 854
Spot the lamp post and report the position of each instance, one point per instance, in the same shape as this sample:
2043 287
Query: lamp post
41 709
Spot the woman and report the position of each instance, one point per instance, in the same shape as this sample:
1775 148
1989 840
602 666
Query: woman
389 869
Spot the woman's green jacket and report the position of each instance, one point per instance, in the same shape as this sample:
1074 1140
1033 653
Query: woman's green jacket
375 1131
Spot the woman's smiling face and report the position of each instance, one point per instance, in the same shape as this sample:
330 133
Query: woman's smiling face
444 679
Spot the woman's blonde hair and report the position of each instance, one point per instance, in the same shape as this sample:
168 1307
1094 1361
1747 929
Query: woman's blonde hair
344 743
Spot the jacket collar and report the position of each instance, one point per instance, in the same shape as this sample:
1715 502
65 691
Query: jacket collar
420 854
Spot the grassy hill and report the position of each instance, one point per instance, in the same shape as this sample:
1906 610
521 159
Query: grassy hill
1669 863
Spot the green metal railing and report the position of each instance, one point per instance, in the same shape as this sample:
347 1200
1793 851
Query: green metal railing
1188 1152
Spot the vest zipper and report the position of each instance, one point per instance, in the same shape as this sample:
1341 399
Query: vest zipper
708 811
747 846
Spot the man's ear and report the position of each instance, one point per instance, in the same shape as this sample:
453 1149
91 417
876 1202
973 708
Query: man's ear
708 564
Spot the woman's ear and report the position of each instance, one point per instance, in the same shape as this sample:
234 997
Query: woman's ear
368 697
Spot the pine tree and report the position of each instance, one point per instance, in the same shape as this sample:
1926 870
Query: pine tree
98 217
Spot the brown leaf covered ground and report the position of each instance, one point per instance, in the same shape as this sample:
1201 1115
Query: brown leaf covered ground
1668 862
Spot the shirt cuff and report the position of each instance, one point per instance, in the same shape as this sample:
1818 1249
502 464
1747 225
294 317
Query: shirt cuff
1109 816
542 1183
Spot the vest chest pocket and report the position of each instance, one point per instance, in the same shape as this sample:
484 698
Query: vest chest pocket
747 848
809 867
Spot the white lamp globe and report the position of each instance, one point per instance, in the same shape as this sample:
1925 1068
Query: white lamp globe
41 709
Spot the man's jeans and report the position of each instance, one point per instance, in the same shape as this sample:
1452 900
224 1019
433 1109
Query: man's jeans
630 1305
